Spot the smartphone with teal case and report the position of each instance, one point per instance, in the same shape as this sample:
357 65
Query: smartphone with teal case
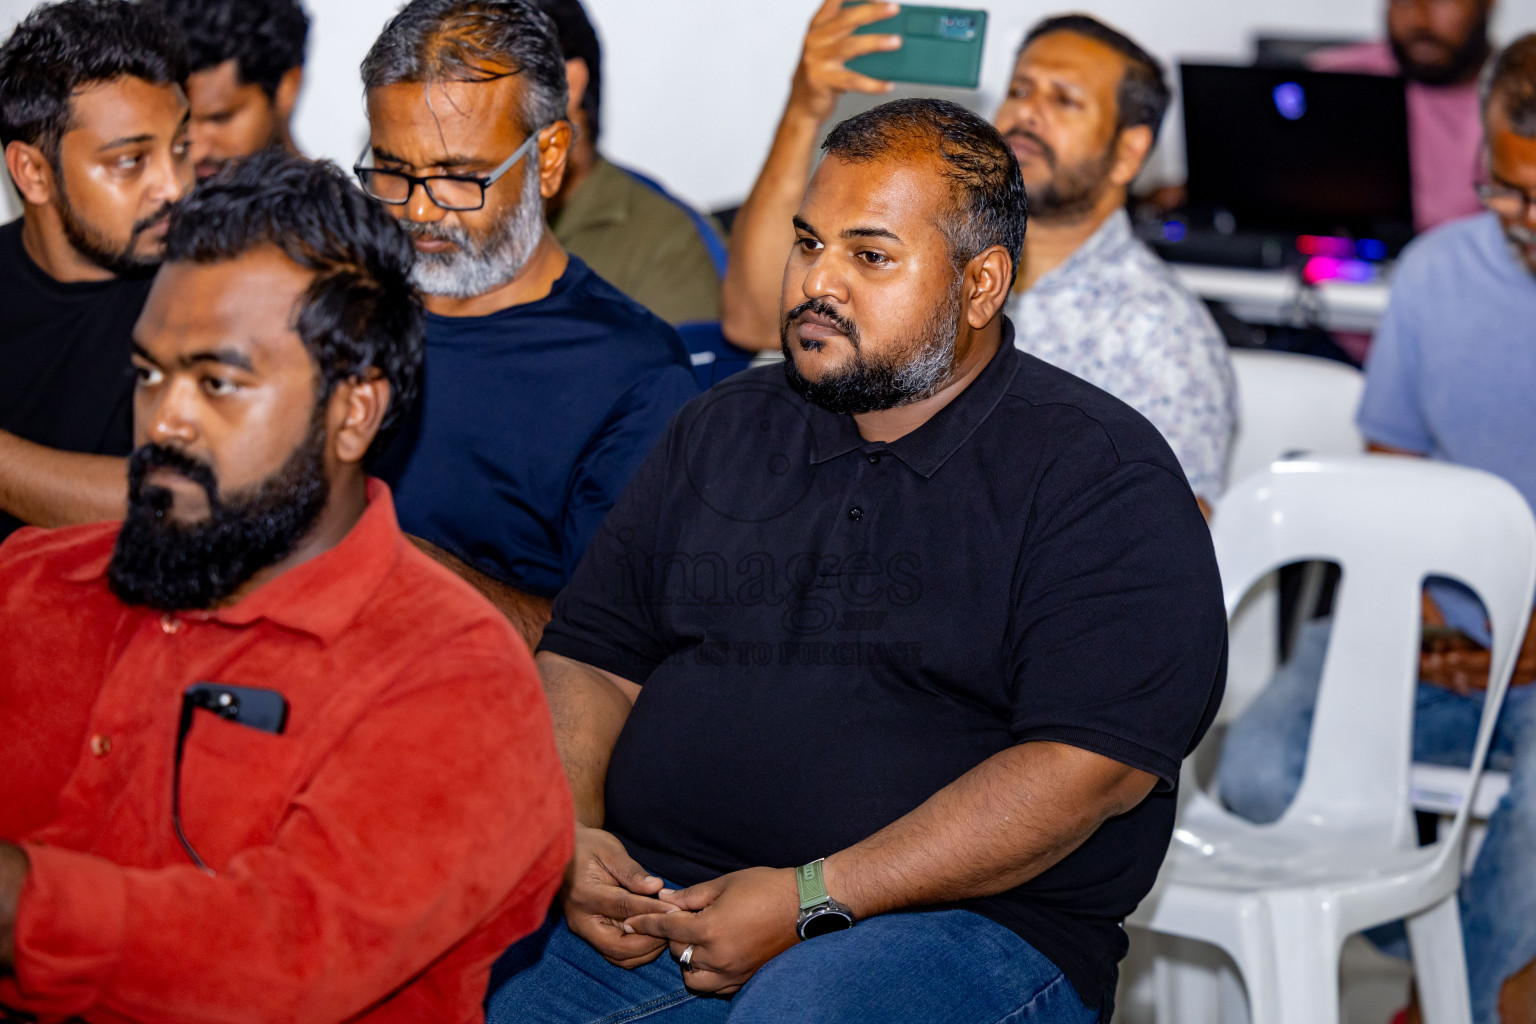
939 46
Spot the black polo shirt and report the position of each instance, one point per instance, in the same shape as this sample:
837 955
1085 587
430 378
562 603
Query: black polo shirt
828 631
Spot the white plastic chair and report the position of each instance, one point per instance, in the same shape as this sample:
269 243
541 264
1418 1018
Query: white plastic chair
1280 899
1290 404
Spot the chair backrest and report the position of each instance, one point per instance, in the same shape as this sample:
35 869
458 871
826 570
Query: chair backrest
1388 522
1290 403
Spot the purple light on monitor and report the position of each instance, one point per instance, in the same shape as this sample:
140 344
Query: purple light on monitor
1291 101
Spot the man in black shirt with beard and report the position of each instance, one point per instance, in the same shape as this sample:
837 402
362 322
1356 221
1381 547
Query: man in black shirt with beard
873 688
94 123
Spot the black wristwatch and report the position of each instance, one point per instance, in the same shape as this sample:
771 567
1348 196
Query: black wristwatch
819 913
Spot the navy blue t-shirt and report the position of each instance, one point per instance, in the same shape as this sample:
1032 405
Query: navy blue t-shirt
530 423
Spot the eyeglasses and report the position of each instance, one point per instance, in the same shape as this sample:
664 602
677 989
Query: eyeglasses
1506 200
457 192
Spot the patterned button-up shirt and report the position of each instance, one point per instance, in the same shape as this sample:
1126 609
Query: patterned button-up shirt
1114 315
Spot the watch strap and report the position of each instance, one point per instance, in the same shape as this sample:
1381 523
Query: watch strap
813 888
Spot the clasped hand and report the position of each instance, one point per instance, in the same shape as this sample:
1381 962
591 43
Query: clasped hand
735 923
604 887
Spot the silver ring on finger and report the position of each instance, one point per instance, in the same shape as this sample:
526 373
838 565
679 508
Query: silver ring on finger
686 960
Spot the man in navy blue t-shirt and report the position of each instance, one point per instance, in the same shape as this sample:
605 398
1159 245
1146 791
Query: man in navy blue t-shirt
545 386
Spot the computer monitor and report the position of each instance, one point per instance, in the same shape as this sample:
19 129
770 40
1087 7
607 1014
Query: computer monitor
1299 152
1290 51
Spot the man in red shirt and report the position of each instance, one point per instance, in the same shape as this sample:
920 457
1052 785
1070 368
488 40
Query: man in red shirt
260 759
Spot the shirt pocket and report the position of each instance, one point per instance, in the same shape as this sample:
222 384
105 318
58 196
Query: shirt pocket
237 784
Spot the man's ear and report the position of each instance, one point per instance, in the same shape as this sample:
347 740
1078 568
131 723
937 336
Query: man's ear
287 96
988 278
1131 151
577 77
31 172
357 412
554 149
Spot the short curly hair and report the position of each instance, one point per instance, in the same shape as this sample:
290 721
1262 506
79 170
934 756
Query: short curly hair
63 47
265 38
361 312
987 202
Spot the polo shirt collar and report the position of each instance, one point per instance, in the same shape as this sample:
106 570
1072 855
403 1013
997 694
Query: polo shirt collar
321 597
929 446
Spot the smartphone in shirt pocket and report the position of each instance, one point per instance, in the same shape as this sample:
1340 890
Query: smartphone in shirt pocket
939 46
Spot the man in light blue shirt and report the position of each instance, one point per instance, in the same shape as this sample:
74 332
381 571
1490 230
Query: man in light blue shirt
1452 376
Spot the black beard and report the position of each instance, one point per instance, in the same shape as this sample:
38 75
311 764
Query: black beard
914 371
1462 66
1072 193
90 243
171 566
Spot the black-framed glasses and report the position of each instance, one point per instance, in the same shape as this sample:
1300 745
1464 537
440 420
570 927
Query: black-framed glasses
457 192
1506 200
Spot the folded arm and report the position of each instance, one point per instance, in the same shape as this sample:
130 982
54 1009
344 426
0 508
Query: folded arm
47 487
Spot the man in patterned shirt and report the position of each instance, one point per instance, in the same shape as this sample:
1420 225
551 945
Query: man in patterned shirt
1082 112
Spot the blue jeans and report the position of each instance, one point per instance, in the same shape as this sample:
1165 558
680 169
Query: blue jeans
1260 771
933 966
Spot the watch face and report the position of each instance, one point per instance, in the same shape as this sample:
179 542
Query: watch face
824 923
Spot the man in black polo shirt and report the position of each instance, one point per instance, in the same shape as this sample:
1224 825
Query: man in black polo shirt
94 124
922 605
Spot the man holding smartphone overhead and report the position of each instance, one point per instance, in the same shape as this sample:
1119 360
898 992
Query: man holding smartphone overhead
260 758
1082 113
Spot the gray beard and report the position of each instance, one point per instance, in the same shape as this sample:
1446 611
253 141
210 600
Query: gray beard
1517 237
476 267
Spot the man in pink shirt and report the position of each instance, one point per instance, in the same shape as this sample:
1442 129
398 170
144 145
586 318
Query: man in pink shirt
1440 46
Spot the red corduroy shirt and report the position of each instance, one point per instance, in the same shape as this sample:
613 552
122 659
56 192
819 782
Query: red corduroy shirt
370 862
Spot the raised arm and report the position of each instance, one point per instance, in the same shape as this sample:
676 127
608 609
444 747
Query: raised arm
47 487
762 233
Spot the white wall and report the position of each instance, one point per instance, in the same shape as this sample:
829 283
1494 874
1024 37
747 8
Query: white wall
694 87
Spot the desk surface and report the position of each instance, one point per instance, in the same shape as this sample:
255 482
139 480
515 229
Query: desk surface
1280 297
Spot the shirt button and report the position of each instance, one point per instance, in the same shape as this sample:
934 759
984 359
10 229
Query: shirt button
855 513
170 624
874 460
101 745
